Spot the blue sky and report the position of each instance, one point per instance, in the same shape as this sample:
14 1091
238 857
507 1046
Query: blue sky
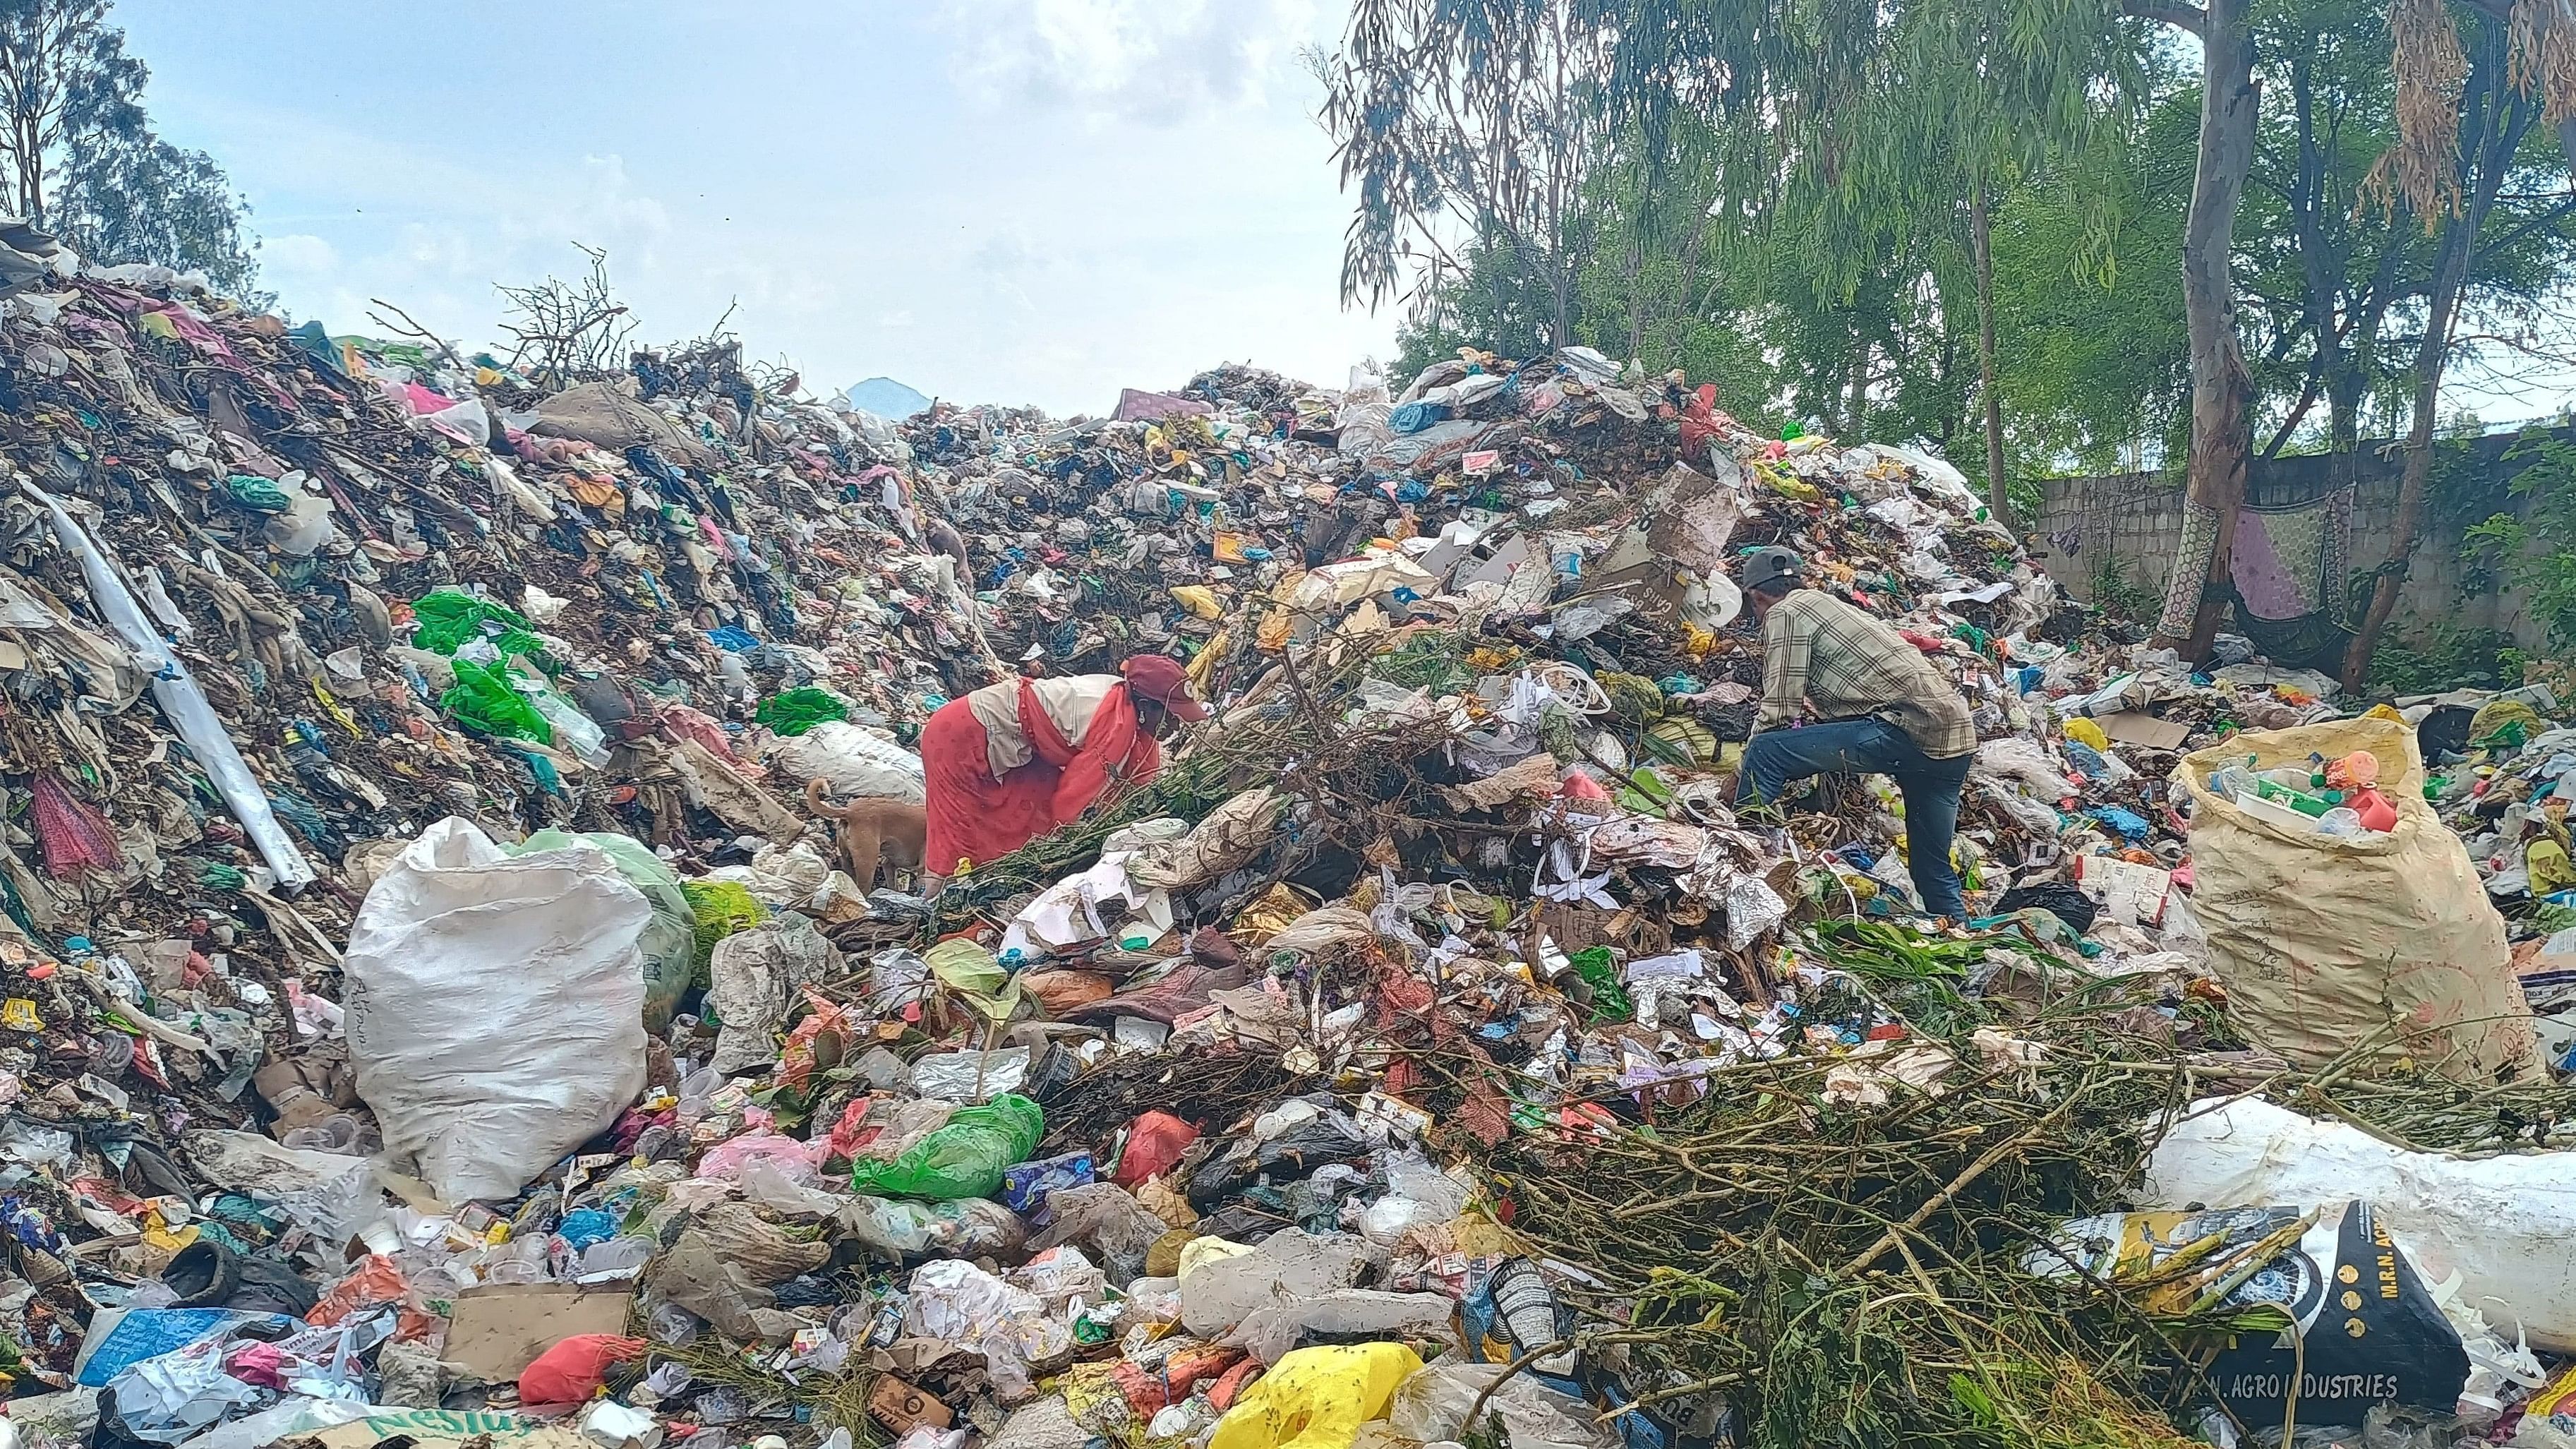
992 200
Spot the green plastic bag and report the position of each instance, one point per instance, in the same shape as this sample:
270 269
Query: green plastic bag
449 617
975 974
964 1159
484 698
1609 999
799 710
717 909
670 940
256 493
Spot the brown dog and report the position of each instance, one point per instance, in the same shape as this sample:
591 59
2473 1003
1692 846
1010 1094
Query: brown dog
872 833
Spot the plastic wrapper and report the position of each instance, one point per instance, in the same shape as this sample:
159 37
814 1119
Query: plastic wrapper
1341 1316
965 1158
1432 1404
959 1303
1316 1398
1155 1142
758 975
1105 1218
1217 1295
176 1396
1025 1185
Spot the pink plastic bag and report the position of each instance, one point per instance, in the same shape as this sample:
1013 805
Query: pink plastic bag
727 1159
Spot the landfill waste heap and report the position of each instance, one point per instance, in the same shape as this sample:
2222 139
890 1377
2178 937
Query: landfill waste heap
433 1014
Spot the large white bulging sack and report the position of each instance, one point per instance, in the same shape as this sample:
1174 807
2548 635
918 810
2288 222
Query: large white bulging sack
2324 942
495 1006
858 765
2505 1225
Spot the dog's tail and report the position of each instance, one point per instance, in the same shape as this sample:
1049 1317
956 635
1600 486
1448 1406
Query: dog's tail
818 793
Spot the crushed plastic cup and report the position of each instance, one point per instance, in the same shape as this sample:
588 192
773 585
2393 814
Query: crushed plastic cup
338 1132
617 1257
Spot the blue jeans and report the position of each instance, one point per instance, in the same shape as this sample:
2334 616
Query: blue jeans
1774 758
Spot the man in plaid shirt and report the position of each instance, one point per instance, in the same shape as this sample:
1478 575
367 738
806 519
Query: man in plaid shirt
1884 710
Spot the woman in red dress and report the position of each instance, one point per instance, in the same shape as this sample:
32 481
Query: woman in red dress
1015 760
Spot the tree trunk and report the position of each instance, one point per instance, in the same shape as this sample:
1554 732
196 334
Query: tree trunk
2343 409
2222 440
2451 269
2496 122
1998 491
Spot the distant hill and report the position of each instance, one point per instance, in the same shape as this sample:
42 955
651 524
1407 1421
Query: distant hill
886 398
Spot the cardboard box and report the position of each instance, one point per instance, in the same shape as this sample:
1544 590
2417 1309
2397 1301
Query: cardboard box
2130 727
901 1407
499 1328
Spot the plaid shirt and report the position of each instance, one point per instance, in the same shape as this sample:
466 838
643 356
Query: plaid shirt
1818 650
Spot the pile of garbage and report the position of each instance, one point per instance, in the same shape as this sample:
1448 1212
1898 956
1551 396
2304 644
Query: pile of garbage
443 1010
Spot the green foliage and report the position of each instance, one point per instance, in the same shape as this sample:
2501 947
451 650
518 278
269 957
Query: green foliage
2117 592
143 199
2441 657
2095 360
2028 498
2536 549
79 155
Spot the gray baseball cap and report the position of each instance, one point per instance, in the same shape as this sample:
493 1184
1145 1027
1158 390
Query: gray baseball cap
1763 565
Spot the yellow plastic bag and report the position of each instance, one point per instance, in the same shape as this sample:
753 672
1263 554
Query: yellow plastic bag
2546 861
973 973
2323 942
1201 1251
1199 599
1316 1398
1203 664
2086 732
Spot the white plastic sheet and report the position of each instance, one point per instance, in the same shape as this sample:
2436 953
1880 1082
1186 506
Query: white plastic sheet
495 1006
856 763
182 701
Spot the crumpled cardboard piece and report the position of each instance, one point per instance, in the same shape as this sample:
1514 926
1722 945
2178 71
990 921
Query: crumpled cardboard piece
498 1329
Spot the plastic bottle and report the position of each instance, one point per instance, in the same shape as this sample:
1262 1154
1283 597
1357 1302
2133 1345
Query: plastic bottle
2299 800
2231 780
696 1095
575 731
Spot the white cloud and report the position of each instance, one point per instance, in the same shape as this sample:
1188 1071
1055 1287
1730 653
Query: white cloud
1159 62
895 319
298 255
